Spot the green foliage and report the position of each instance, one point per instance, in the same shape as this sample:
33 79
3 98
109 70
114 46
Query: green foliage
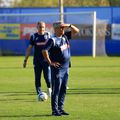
55 3
114 2
36 3
94 92
68 3
86 3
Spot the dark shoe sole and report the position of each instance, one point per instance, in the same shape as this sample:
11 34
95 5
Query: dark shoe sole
56 114
64 114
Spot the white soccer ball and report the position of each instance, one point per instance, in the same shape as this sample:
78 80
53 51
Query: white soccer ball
42 96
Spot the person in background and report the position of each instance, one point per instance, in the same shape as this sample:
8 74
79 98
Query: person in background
59 60
38 41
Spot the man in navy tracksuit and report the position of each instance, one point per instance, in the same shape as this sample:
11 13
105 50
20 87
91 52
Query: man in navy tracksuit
59 59
38 40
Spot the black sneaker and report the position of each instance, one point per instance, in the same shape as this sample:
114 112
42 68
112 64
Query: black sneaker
63 112
56 113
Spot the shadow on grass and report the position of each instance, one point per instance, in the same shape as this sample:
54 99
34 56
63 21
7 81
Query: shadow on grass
17 99
94 91
76 91
16 94
70 91
26 116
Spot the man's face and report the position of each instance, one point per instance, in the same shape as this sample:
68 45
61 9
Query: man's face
59 30
41 28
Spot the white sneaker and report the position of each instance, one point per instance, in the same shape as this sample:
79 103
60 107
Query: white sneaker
49 91
67 87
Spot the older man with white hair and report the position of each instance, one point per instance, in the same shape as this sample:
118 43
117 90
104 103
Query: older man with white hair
59 59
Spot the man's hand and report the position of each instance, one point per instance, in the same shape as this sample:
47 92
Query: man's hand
65 25
24 63
55 64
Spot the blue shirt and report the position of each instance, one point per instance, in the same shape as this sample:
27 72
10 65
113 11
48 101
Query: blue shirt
59 49
39 41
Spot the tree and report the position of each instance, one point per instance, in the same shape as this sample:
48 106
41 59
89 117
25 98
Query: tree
83 3
114 2
68 3
36 3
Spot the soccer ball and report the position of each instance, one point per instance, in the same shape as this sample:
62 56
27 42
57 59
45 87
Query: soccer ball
42 96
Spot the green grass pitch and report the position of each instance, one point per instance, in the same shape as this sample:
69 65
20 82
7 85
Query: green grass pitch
94 92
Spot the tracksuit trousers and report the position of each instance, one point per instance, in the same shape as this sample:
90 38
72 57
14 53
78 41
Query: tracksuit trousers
59 78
